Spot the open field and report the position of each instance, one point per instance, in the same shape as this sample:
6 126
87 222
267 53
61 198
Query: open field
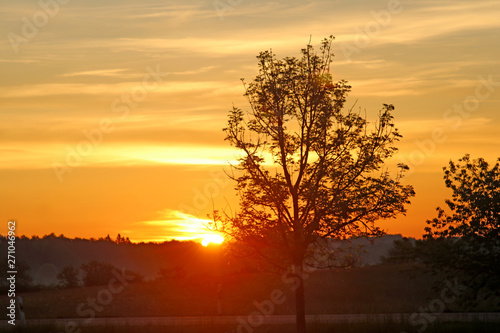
368 290
372 326
383 289
368 299
255 320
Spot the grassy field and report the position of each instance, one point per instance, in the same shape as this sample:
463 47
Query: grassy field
375 289
363 290
363 327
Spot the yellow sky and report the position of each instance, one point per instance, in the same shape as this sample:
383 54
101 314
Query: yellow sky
111 112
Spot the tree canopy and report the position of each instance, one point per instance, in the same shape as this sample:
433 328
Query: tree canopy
309 167
464 239
474 210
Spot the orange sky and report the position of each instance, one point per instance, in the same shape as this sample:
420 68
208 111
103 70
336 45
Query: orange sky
111 112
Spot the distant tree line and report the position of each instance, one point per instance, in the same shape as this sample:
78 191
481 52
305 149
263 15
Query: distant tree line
118 240
94 273
55 261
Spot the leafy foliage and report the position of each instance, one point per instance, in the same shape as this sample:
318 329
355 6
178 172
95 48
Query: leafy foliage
309 168
68 277
97 273
401 252
466 238
475 203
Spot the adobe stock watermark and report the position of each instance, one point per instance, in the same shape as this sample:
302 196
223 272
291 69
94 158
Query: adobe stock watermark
103 297
454 117
223 6
121 106
292 278
276 297
39 19
364 35
428 315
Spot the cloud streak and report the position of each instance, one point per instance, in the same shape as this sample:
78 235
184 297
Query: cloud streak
173 225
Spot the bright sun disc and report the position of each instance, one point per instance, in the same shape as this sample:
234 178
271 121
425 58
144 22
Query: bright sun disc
217 239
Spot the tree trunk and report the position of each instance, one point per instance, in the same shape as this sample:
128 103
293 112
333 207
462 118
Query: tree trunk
300 305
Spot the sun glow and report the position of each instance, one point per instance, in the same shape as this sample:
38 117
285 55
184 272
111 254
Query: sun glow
212 238
176 225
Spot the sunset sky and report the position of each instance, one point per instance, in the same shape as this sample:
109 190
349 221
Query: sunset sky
111 111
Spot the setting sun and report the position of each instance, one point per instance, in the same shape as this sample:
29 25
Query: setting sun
213 238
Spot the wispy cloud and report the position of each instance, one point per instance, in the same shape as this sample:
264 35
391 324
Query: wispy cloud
196 71
172 224
20 61
418 128
418 22
55 89
42 155
101 72
67 77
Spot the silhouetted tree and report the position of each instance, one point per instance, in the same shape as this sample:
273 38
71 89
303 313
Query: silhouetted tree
68 277
401 252
466 236
106 239
309 169
122 240
97 273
